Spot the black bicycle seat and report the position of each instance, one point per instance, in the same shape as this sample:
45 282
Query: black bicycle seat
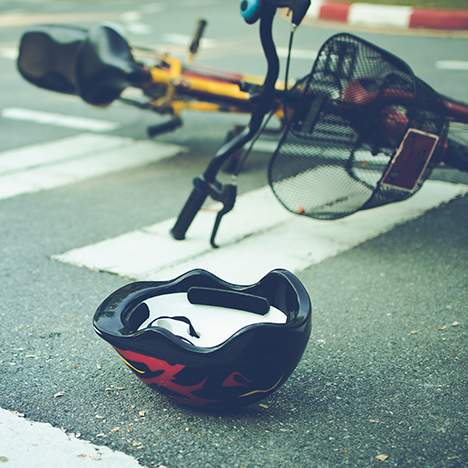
106 66
48 55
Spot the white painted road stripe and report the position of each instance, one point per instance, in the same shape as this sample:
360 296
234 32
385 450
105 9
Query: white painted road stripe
299 54
266 146
50 165
183 40
375 15
314 9
9 53
60 120
452 65
257 236
138 253
140 29
39 445
130 16
42 154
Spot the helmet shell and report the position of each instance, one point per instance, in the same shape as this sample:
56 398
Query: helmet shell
245 368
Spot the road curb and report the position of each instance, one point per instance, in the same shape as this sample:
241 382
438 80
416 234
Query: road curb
406 17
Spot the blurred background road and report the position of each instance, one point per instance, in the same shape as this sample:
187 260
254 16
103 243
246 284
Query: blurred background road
385 370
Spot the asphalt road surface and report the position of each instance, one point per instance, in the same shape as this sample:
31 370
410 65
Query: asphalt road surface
385 370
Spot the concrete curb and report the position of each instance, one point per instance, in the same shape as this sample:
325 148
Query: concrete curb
367 14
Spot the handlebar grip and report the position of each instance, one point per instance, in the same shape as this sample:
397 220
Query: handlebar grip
197 37
191 208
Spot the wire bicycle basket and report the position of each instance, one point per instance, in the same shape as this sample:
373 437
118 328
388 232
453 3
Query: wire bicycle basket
364 132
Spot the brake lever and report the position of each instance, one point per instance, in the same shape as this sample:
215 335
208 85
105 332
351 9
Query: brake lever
227 196
298 8
197 37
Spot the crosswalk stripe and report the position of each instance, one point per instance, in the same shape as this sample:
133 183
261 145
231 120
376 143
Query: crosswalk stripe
184 40
37 445
375 15
299 54
42 154
461 65
257 236
22 20
54 164
60 120
9 53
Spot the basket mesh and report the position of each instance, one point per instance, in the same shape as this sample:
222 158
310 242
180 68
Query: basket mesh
350 116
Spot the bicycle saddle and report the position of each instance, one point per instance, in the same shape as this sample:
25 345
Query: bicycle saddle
105 66
206 342
48 55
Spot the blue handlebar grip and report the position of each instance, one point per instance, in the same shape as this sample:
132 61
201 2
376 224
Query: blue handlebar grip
250 10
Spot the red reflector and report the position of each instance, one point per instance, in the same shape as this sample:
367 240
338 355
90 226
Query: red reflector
410 161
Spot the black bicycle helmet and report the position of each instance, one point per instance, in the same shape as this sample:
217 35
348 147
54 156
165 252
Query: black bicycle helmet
206 342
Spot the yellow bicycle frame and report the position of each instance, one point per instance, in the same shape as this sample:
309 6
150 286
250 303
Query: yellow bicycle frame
185 89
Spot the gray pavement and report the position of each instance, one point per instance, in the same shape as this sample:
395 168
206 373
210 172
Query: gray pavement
385 370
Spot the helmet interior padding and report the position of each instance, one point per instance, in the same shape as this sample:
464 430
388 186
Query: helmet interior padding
213 324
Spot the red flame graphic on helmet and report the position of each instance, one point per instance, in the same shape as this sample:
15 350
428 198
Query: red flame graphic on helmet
236 379
169 372
166 379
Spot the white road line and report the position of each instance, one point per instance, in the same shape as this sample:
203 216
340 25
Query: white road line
133 24
266 146
50 165
460 65
152 8
314 9
299 54
257 236
140 252
42 154
365 13
79 123
39 445
138 28
459 132
183 40
130 16
9 53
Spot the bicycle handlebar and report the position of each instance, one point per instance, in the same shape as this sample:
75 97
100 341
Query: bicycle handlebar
207 185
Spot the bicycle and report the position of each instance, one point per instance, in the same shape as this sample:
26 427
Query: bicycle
99 64
360 129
